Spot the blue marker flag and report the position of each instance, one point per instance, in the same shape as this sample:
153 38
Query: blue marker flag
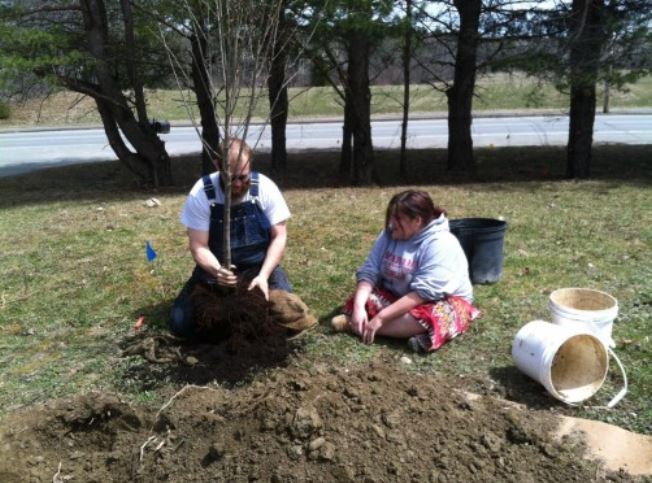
151 254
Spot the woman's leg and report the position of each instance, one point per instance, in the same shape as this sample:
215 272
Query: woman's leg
401 327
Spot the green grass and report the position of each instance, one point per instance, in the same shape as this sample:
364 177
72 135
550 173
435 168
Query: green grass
75 275
493 92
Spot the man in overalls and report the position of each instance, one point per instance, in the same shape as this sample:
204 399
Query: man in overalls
259 216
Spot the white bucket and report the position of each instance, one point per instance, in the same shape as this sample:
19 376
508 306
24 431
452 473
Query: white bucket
572 365
586 310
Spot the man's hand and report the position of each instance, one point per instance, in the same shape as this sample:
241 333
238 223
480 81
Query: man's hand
226 278
260 282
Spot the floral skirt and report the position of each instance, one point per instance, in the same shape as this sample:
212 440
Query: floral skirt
441 320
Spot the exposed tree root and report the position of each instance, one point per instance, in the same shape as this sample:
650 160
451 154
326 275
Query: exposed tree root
159 349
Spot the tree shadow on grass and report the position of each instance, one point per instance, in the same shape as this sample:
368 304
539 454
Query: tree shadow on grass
511 168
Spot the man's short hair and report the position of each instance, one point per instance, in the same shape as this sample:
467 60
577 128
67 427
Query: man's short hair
236 147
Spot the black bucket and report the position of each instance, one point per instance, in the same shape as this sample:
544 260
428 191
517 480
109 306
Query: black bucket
482 241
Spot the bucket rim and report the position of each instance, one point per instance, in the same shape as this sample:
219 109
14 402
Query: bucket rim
542 372
494 221
552 303
604 352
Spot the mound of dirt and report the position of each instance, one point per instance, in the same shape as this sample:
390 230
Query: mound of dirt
373 424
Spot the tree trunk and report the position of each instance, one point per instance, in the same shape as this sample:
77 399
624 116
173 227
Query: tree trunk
346 152
130 160
210 133
407 57
607 81
587 40
151 156
582 116
460 94
278 96
358 84
137 85
149 147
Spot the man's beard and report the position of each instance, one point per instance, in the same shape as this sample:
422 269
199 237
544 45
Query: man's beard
236 196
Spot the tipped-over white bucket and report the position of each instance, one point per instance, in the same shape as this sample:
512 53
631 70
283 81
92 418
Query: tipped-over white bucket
571 365
586 310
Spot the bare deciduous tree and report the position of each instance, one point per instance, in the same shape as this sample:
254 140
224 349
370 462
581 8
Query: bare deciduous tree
238 43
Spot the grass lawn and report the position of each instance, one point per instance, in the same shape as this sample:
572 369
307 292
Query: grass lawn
493 92
75 276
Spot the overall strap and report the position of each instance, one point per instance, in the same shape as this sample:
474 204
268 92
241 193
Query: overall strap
255 181
209 188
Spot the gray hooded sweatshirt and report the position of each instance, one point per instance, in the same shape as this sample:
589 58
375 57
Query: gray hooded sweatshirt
431 263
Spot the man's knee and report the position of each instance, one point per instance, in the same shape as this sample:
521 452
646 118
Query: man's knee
181 313
279 280
181 323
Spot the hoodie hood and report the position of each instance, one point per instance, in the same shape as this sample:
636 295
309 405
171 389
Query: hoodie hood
431 230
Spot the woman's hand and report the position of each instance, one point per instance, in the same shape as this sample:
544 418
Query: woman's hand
359 320
369 331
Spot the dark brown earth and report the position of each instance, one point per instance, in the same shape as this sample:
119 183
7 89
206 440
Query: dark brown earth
301 421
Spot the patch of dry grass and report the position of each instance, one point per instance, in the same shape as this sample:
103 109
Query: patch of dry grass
494 92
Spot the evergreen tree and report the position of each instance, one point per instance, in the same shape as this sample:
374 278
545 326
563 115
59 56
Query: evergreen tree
100 49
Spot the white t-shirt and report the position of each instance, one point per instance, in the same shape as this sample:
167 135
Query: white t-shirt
196 211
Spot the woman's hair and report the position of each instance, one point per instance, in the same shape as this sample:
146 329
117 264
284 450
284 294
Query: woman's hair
413 204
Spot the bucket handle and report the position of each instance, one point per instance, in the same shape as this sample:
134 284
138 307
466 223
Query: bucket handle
621 394
616 399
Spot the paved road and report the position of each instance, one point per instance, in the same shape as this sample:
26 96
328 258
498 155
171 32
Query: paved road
26 151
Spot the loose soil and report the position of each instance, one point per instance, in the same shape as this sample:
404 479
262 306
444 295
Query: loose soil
303 420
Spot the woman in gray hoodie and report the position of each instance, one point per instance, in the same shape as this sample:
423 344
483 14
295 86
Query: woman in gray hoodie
415 282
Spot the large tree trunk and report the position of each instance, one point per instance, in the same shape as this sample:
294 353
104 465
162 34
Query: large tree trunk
210 133
150 150
460 94
278 96
580 135
126 157
587 40
358 84
150 155
137 85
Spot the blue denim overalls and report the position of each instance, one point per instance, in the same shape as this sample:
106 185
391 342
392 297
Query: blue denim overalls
250 238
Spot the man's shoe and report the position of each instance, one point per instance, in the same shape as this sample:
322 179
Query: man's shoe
340 323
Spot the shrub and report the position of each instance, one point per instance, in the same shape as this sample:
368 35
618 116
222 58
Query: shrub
5 111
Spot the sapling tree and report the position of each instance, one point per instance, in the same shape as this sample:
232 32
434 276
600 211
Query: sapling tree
236 41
